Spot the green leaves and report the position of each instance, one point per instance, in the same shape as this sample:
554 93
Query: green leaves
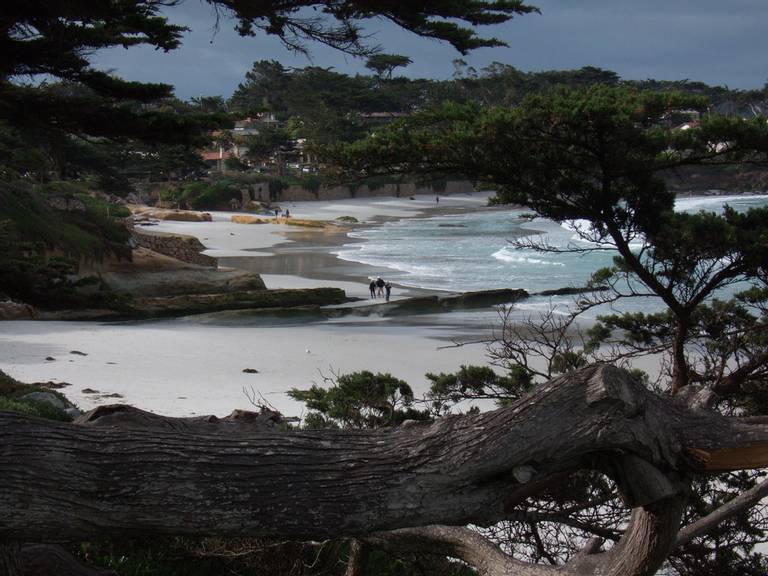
449 20
359 400
473 383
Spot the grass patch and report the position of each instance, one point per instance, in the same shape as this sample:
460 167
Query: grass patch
33 408
12 391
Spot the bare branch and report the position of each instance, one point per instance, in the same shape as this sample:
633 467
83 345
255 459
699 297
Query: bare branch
734 507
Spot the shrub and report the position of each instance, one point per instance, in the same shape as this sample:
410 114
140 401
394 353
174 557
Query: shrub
33 408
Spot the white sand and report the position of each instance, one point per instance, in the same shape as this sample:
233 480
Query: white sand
223 238
186 366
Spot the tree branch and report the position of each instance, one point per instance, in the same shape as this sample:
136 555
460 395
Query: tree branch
728 510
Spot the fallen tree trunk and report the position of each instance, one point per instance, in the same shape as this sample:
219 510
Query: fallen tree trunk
64 482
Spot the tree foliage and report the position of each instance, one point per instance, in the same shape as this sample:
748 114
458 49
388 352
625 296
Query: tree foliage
385 64
596 158
358 400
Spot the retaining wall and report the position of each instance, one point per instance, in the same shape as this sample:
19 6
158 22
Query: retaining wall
294 193
181 247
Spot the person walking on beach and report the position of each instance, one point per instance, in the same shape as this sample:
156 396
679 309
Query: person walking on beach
380 287
388 288
372 288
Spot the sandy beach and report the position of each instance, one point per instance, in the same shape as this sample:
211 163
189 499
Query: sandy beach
195 365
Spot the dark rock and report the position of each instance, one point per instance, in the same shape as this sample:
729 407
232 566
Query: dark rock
51 385
10 310
465 301
45 397
113 395
568 290
50 358
201 303
89 391
78 353
250 371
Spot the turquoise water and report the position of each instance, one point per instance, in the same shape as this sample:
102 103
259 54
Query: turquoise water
472 251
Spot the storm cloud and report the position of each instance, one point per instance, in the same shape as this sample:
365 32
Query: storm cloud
721 43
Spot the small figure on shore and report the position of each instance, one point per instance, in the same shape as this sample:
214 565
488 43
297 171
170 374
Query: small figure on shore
277 213
380 287
437 199
388 288
372 288
287 213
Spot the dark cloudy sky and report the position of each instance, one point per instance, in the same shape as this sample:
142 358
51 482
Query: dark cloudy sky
715 41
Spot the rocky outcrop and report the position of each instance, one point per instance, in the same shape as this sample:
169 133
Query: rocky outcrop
249 219
183 281
202 303
306 223
571 290
178 215
464 301
10 310
178 246
435 304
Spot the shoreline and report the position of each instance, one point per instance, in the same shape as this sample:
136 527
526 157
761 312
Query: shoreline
194 365
308 253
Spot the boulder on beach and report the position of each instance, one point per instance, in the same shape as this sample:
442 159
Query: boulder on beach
46 398
178 215
249 219
10 310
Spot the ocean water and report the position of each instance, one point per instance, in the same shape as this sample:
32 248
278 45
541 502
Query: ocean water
472 251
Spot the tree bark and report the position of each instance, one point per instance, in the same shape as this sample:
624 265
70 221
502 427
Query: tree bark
169 476
10 562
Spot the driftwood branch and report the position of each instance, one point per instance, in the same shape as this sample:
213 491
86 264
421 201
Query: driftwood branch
120 471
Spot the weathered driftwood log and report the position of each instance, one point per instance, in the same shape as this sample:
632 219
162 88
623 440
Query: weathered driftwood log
69 482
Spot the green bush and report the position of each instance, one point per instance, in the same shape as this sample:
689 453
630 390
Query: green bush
102 207
211 195
11 391
33 408
359 400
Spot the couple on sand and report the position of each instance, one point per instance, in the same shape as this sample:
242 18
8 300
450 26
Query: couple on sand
378 288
